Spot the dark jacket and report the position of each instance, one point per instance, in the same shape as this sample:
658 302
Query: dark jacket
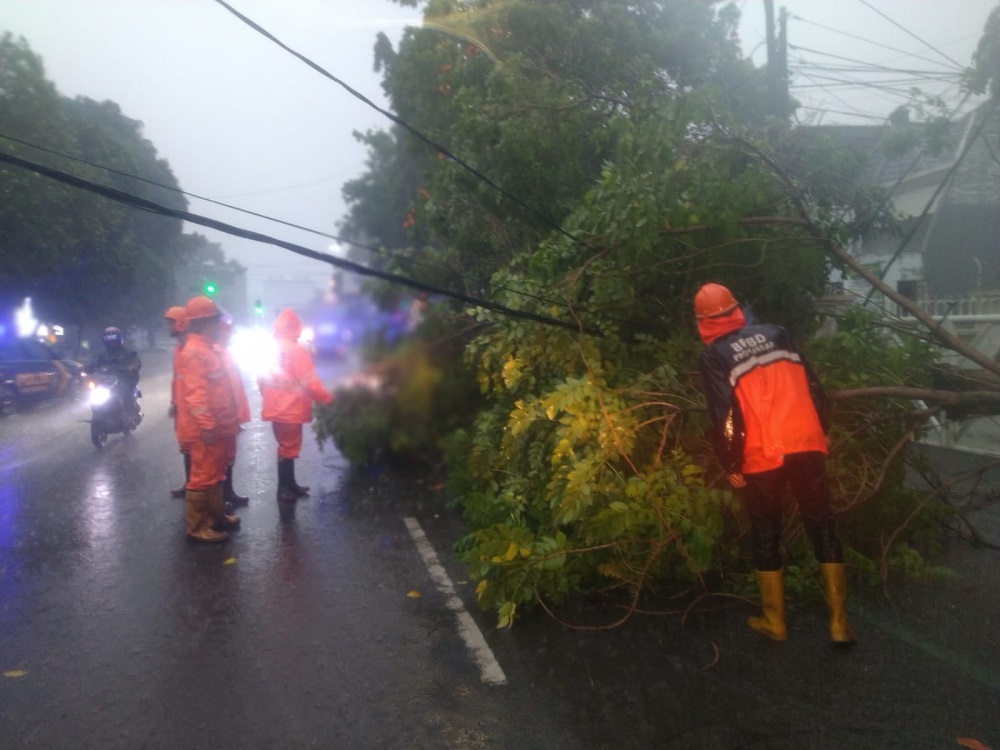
123 361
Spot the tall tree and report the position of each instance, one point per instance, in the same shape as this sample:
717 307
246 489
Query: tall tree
631 160
983 76
84 259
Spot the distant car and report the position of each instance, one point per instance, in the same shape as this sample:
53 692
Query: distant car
31 372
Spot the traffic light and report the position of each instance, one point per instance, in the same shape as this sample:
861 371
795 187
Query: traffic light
210 288
258 309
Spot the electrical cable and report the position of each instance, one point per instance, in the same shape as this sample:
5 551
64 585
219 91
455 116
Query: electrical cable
478 174
156 208
879 118
112 170
871 66
382 252
893 90
907 31
941 186
867 41
398 120
124 197
901 87
835 96
868 68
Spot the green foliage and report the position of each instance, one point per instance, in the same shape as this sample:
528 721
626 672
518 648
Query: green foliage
637 129
866 437
358 422
400 410
80 257
983 76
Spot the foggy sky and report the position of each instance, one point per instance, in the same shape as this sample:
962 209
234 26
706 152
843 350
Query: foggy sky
238 119
242 121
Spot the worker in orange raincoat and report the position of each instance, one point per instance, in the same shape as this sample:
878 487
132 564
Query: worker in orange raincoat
175 328
769 418
288 392
231 497
207 416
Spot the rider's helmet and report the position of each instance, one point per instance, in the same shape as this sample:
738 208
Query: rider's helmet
112 337
712 300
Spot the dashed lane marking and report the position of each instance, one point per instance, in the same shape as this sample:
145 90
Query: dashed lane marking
489 668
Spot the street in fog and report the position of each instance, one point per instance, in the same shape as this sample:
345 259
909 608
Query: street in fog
326 625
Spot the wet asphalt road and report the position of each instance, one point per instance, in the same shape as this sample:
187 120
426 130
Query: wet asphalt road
304 630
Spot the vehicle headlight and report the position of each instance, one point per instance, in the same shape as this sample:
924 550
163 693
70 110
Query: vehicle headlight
99 394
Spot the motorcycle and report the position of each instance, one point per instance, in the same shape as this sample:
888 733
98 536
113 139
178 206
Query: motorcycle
109 413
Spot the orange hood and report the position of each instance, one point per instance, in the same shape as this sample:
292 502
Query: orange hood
719 325
288 326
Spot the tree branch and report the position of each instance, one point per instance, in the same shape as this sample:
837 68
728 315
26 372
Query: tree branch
943 337
919 394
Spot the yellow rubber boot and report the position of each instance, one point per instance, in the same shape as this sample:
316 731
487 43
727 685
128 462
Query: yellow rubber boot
198 517
772 598
835 582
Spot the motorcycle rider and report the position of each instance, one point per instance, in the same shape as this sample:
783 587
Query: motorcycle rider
124 363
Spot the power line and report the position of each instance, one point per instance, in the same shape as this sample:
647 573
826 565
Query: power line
907 31
286 188
872 66
120 173
889 85
867 41
375 250
880 118
941 186
935 75
146 205
396 119
846 83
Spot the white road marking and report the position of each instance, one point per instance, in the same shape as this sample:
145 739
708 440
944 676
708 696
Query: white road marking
489 668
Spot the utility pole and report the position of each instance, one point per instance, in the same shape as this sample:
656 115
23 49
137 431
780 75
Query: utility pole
777 62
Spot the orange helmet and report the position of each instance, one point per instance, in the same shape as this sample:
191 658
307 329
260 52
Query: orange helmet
712 300
200 307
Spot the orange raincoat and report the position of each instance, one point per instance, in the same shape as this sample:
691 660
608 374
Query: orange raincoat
288 391
205 400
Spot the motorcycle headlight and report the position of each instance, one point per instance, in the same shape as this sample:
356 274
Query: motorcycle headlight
99 394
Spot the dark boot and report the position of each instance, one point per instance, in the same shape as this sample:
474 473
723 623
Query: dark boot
220 519
229 494
772 600
835 583
198 517
298 489
180 491
286 480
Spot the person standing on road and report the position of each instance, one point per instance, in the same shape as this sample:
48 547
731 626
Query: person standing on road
229 495
175 328
206 417
288 392
769 417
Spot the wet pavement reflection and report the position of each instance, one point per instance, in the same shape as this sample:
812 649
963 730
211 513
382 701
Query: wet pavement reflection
318 625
